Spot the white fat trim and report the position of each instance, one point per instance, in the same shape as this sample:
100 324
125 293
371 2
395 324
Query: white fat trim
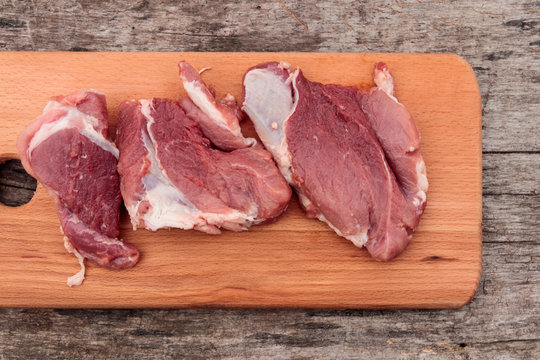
360 239
389 95
78 278
50 128
270 121
385 82
146 110
201 100
68 121
52 105
422 176
229 97
205 69
420 197
132 210
99 140
95 91
169 207
284 65
287 162
303 198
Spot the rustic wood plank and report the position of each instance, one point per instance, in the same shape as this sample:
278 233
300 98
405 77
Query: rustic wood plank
511 218
511 174
500 39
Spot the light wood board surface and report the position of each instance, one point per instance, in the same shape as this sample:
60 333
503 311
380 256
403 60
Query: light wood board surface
295 262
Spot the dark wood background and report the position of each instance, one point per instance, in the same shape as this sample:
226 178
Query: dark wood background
500 39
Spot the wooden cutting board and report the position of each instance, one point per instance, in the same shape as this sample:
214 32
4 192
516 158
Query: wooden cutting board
295 262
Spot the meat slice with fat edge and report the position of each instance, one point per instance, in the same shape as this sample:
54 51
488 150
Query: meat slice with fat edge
352 156
218 120
173 176
66 149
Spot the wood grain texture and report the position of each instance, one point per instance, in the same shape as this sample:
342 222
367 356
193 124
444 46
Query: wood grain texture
295 262
500 39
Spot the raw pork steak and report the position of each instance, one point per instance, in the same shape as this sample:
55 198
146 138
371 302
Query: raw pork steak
67 150
172 176
352 156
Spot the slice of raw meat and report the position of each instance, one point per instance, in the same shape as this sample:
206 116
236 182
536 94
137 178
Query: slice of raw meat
219 120
171 176
352 156
398 135
66 149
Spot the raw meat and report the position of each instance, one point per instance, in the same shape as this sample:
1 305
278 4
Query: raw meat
171 176
352 156
67 150
219 121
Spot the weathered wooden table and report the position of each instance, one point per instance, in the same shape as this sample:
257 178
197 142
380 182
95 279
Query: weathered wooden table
500 39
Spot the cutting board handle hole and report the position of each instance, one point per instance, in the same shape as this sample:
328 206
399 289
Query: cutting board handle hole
17 187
